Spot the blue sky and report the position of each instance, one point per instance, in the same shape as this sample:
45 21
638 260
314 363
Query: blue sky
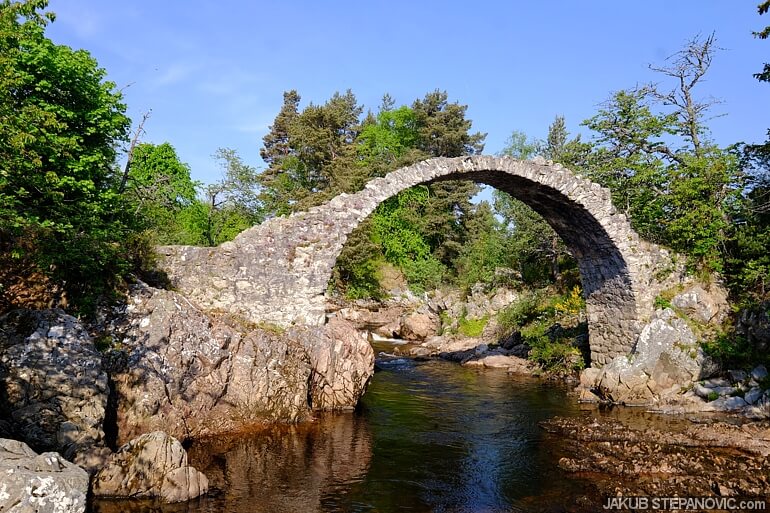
213 73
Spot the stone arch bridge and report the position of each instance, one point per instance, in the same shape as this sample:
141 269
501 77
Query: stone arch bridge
278 272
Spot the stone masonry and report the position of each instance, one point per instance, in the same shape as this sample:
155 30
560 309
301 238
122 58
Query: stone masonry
278 272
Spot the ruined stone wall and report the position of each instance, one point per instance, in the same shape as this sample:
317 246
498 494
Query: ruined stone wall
278 272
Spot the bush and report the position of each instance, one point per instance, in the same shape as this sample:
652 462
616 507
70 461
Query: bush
472 327
424 274
555 356
519 313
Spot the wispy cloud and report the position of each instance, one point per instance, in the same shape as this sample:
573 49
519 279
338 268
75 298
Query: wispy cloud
174 73
84 22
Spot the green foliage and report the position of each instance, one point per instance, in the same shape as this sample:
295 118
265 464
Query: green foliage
532 246
700 199
231 205
712 396
424 274
661 302
540 322
732 351
485 249
385 141
60 125
472 327
571 304
555 356
357 271
519 313
162 194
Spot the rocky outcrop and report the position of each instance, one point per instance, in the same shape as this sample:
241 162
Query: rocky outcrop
191 374
153 465
180 371
341 363
704 305
53 389
44 483
667 359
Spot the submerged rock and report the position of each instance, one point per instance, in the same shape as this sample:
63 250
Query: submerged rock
44 483
511 363
53 387
152 465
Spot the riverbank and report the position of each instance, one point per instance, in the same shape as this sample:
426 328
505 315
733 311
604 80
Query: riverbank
649 455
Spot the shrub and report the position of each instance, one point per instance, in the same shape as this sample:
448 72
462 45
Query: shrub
472 327
519 313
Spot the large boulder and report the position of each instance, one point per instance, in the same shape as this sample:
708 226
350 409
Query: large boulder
53 389
191 373
419 325
177 369
44 483
342 362
704 305
153 465
667 359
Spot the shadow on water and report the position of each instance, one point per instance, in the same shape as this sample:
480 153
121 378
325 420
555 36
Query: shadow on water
429 436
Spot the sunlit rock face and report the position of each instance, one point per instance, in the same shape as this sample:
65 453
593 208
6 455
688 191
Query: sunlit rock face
278 272
192 373
53 388
44 483
153 465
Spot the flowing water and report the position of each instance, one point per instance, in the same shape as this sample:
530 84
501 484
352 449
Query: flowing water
429 437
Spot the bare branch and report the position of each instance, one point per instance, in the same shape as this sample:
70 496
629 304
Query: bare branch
688 67
130 158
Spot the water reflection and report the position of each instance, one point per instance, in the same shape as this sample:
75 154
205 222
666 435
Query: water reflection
429 436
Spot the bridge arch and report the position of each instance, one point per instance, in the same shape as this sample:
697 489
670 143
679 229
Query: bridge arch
278 272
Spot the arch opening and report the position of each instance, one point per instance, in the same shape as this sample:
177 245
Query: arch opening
278 272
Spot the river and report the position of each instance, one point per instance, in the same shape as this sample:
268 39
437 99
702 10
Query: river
429 436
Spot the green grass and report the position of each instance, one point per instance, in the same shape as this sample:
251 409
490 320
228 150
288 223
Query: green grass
472 327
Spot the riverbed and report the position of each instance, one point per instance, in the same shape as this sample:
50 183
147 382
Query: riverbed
429 436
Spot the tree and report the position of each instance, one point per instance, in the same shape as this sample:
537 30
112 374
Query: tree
160 188
533 246
520 146
630 157
232 204
444 131
485 252
60 126
688 67
653 151
311 155
764 75
556 143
